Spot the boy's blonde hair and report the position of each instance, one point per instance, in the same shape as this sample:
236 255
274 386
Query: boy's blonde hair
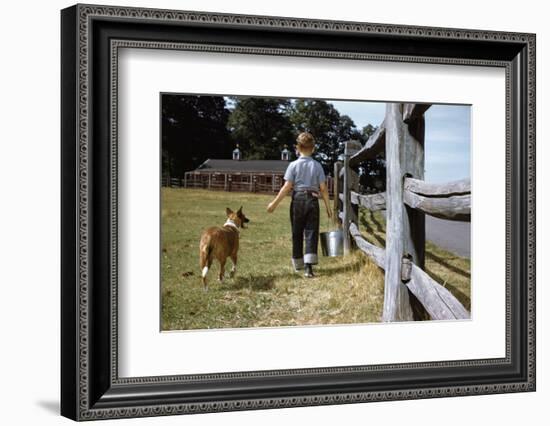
306 141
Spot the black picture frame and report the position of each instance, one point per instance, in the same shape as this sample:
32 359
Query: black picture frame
90 386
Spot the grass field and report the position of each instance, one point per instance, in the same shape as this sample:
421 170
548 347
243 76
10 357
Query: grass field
265 291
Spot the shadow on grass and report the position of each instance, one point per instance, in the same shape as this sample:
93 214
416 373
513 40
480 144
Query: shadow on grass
445 264
371 232
337 269
440 260
458 293
267 282
257 282
378 225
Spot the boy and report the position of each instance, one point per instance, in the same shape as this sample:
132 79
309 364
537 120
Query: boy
306 179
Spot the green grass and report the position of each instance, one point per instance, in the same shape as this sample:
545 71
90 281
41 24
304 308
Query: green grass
266 292
448 269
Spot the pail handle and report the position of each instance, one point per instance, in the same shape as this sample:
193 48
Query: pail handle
331 224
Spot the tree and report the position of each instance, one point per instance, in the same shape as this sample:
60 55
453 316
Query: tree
327 126
260 126
197 127
366 132
345 131
194 128
372 173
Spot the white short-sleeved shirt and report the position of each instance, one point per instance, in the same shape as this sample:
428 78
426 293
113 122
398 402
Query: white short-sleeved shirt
305 173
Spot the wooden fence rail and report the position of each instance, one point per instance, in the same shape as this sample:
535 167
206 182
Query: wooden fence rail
374 146
371 201
406 200
452 208
459 187
232 182
436 299
455 207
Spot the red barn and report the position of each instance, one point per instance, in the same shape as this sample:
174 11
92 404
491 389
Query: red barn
239 175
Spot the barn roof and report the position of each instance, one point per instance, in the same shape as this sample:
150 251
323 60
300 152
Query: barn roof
258 166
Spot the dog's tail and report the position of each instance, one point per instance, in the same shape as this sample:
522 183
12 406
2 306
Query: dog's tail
205 257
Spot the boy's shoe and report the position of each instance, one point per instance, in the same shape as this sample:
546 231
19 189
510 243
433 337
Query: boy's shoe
308 271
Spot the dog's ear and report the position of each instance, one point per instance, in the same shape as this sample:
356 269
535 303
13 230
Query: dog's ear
228 211
240 211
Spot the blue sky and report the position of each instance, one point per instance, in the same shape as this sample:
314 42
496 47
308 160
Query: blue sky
447 140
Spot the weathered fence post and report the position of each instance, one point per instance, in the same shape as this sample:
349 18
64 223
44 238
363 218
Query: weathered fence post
415 221
413 166
397 306
337 188
351 182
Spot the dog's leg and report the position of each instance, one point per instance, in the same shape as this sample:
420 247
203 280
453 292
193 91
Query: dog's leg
205 262
204 272
234 268
222 269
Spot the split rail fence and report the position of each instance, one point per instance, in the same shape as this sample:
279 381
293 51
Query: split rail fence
406 200
233 182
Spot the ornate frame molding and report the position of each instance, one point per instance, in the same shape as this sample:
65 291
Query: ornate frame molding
85 14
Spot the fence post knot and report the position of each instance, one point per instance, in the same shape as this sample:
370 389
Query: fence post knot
406 268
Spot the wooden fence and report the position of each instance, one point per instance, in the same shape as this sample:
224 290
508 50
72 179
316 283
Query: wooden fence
231 182
407 199
234 182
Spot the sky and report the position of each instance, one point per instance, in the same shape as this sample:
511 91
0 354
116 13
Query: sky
447 138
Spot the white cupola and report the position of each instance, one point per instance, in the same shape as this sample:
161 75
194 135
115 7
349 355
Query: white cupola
285 154
237 153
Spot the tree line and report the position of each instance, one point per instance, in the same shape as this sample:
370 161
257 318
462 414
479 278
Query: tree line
198 127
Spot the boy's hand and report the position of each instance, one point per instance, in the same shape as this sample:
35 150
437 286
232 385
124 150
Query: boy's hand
271 207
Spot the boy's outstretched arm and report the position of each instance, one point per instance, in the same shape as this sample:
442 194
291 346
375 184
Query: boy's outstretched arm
283 192
324 193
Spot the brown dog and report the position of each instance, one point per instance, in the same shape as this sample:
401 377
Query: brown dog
221 243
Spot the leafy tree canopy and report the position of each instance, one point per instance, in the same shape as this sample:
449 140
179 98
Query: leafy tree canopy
195 128
260 126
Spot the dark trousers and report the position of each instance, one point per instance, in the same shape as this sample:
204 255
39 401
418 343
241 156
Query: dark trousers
304 220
